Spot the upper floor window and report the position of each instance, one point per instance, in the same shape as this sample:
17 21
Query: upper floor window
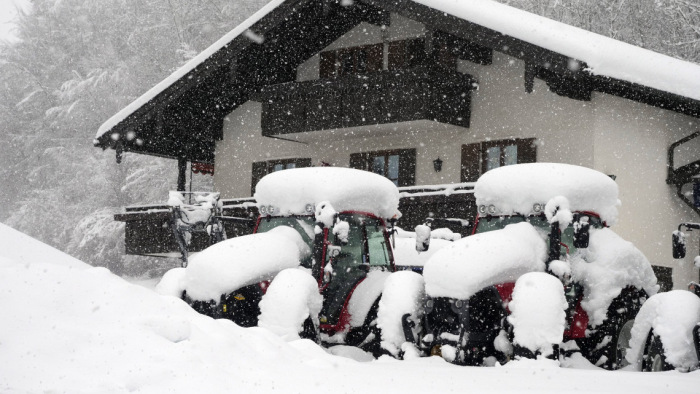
262 168
356 60
480 157
399 165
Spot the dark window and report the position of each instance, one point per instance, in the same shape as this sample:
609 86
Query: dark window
406 54
262 168
483 156
347 61
399 165
664 276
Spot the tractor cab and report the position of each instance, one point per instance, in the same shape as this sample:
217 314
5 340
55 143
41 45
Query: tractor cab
343 255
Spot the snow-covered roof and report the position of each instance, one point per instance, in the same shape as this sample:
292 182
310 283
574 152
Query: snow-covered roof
604 56
189 66
516 188
345 189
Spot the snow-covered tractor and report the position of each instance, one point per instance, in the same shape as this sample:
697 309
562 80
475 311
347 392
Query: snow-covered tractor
315 266
542 273
666 332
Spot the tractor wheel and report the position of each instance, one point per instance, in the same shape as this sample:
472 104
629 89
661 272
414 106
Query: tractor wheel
291 305
400 313
654 358
367 336
607 344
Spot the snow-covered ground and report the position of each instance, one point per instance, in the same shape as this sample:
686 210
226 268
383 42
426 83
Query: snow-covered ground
68 327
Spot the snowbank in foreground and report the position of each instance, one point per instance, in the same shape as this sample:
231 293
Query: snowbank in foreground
470 264
67 327
672 316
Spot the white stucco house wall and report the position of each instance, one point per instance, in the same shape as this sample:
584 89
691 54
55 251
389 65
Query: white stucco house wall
527 89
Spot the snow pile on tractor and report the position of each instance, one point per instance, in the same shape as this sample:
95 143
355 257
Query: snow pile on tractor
664 328
607 266
482 260
298 191
235 263
515 189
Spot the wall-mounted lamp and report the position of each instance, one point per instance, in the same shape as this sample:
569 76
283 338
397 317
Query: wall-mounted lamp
437 164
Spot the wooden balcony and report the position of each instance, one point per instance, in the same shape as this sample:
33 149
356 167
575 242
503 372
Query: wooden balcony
149 231
426 92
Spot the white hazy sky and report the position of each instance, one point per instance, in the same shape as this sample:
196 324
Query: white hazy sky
8 12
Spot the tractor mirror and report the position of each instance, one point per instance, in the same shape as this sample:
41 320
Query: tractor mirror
582 233
422 238
678 245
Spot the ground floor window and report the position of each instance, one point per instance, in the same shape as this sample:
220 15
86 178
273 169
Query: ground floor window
398 165
480 157
664 276
262 168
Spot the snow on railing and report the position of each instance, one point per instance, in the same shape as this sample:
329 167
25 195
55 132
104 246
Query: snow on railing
437 190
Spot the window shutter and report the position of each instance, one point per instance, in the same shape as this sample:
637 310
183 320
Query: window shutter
527 150
407 167
327 66
375 57
471 160
259 171
359 161
396 55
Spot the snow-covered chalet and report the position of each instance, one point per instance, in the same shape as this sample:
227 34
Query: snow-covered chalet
431 94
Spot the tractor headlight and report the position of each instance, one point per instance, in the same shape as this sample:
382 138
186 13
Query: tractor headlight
482 209
458 306
271 210
310 208
537 208
263 210
492 209
429 305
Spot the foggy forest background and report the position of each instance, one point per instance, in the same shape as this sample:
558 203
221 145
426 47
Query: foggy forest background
78 62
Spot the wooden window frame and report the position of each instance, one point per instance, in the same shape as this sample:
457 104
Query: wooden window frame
474 158
332 63
407 163
262 168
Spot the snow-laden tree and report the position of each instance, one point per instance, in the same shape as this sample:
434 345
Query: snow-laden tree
671 27
77 63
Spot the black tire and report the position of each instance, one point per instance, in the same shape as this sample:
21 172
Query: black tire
367 337
309 331
654 358
607 343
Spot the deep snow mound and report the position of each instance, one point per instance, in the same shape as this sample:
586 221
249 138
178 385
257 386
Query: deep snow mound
291 191
516 188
